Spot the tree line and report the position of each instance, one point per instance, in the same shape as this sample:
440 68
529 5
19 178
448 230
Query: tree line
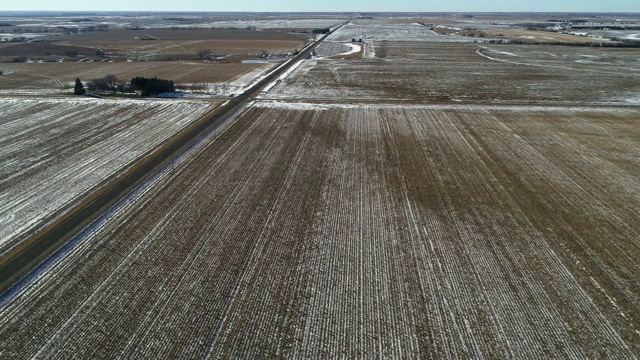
110 83
322 31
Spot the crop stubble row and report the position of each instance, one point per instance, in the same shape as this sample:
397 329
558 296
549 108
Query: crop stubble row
380 230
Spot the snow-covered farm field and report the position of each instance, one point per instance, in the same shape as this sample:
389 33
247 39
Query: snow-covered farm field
391 32
56 149
265 23
301 230
422 197
459 72
331 48
182 20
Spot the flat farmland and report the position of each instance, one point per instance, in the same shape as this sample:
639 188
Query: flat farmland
188 48
273 23
41 50
220 22
382 30
157 42
170 54
148 50
328 49
161 34
62 75
54 151
543 36
468 72
186 35
301 230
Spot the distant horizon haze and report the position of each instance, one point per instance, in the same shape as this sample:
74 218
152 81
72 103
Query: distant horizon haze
585 6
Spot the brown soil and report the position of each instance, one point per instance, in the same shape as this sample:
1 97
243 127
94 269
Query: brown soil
57 75
365 232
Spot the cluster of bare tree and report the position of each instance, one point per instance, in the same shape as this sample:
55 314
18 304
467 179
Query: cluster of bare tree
204 54
108 83
208 55
111 83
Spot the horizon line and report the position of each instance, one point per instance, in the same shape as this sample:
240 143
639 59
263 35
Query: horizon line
325 12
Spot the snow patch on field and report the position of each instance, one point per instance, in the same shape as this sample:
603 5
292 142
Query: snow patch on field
263 24
319 106
176 95
330 48
391 32
354 49
369 51
634 101
9 36
502 52
4 92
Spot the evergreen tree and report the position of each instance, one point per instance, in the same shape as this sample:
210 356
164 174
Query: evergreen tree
79 88
153 86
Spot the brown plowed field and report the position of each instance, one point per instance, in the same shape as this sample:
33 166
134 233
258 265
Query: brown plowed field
155 50
188 48
59 75
164 42
433 199
304 231
172 55
42 50
185 35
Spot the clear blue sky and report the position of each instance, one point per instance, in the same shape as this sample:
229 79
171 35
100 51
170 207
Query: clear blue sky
327 5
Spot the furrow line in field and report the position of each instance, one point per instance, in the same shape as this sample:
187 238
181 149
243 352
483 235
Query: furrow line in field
271 260
586 301
332 230
540 163
202 240
101 226
224 157
470 234
223 330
